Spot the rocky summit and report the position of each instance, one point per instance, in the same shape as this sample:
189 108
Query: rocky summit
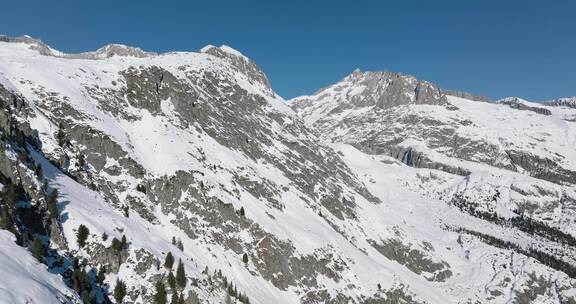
134 177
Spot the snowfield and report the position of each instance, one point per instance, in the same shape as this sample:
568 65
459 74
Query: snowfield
25 280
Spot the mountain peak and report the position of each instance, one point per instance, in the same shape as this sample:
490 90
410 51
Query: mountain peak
106 51
238 59
222 50
34 44
114 49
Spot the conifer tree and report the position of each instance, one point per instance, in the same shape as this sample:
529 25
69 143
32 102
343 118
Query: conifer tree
75 263
160 296
76 279
101 275
245 258
81 161
37 249
180 275
124 243
180 245
85 297
5 218
169 261
181 299
242 212
80 280
171 280
38 171
25 237
52 202
119 291
116 244
174 299
60 135
10 194
82 235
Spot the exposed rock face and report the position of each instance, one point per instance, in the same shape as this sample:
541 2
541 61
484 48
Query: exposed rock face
377 90
110 258
467 95
414 259
241 62
516 103
543 168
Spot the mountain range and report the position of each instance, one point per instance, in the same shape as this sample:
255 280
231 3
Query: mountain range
380 188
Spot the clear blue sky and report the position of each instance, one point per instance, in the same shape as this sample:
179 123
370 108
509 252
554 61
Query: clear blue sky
497 48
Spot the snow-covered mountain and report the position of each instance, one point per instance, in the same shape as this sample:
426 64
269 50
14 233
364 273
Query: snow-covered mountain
513 161
564 102
379 189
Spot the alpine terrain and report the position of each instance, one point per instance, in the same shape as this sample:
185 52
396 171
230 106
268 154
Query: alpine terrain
136 177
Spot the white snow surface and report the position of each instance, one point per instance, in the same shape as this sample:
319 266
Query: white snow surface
24 280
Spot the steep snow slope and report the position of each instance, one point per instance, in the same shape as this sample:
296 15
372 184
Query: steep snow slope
415 210
24 280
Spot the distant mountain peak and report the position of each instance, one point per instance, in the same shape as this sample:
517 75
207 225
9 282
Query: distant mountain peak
106 51
34 44
114 49
563 102
222 50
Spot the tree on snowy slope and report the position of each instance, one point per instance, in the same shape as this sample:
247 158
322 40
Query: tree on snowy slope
119 291
6 221
101 275
160 296
180 275
174 299
61 136
52 201
37 249
171 280
169 260
82 235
